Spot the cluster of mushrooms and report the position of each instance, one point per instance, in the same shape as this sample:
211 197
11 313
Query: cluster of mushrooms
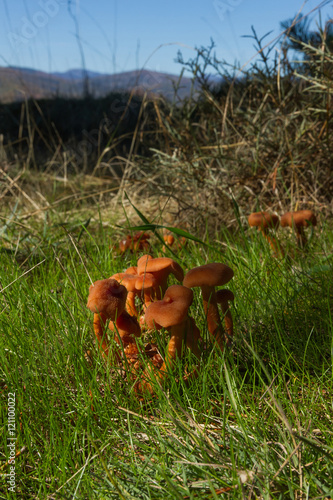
139 241
139 301
297 221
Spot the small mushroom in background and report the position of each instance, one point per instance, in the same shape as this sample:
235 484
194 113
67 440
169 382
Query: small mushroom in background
207 277
139 241
168 238
265 221
160 267
124 244
170 313
223 297
172 242
299 221
107 300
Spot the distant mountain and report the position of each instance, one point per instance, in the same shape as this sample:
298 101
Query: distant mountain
17 84
76 74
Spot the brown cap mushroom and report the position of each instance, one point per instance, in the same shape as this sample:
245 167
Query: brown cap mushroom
207 277
145 284
128 280
107 299
223 297
132 270
299 220
160 267
171 312
169 239
134 243
125 326
192 337
265 221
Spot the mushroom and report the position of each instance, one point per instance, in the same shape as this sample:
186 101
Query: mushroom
299 221
160 267
266 221
139 241
169 313
169 238
153 354
107 299
128 280
145 285
223 297
132 270
192 337
207 277
126 327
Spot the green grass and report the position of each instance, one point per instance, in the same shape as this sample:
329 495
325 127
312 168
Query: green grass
256 423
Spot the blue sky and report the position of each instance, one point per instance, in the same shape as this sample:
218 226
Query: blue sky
122 35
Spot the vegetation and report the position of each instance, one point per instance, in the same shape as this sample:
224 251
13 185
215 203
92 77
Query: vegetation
257 421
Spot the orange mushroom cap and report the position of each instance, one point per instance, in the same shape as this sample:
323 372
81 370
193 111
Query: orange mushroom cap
126 325
170 311
212 274
147 264
169 239
107 297
264 220
224 295
131 270
128 280
145 282
300 218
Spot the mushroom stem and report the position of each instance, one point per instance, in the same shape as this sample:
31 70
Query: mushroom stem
229 327
298 221
175 346
274 244
192 336
174 350
301 237
212 314
100 332
130 304
223 297
125 328
265 221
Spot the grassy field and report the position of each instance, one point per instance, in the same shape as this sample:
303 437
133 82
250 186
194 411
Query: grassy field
256 423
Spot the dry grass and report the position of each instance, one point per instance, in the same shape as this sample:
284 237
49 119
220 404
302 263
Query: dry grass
259 140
